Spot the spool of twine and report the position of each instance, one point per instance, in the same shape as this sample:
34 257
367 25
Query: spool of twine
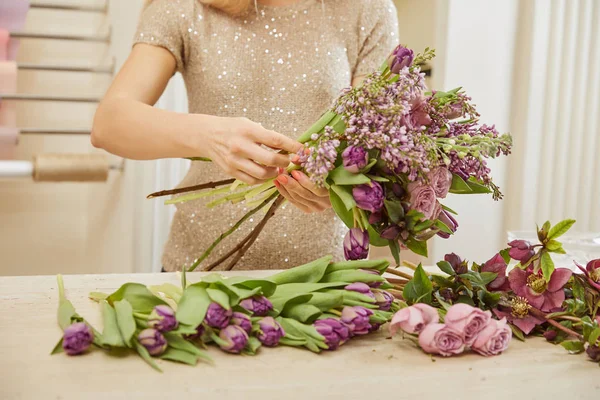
70 168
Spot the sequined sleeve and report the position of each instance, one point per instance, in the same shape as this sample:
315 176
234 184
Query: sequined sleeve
162 24
377 36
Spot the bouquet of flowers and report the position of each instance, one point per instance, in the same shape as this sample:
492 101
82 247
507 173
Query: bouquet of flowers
387 152
319 306
533 299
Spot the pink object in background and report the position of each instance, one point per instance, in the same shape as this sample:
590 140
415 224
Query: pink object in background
12 18
8 112
4 39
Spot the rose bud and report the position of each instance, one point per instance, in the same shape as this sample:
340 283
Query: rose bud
456 263
162 318
356 319
449 221
77 338
270 332
241 320
467 320
441 180
520 250
234 339
153 341
356 244
401 58
593 352
413 319
493 339
368 197
355 158
257 305
384 299
217 316
334 332
361 288
197 335
441 339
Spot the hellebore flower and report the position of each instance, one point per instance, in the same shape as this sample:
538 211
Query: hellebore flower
257 305
497 265
384 299
368 197
542 295
592 273
457 264
468 320
234 339
217 316
356 319
77 338
355 158
493 339
361 288
163 319
241 320
401 57
593 352
521 250
356 244
270 332
414 319
520 316
153 341
441 339
335 332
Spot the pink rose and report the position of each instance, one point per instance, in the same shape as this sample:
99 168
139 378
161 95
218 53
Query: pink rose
467 320
437 210
441 180
414 318
422 199
494 339
441 339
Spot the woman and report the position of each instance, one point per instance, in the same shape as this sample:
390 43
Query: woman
252 69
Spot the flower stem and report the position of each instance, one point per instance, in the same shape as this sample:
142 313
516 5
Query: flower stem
397 280
539 314
335 312
397 294
209 185
569 318
399 273
61 288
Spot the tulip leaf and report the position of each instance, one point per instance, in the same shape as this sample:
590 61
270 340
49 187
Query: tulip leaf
181 356
395 249
326 301
193 305
443 227
421 226
143 352
279 303
290 289
449 210
394 210
66 313
518 333
417 247
168 289
377 178
267 287
459 186
305 313
353 303
476 187
177 342
354 296
419 288
593 337
375 238
341 176
141 299
351 276
446 267
573 346
219 297
376 265
340 209
561 228
292 342
547 265
58 348
311 272
125 320
252 346
345 194
111 335
318 126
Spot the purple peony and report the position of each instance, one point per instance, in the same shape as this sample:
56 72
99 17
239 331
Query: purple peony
153 341
217 316
355 158
369 197
357 319
162 318
241 320
356 244
234 339
335 332
77 338
270 332
257 305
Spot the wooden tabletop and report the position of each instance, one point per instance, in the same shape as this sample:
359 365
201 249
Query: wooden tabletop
370 367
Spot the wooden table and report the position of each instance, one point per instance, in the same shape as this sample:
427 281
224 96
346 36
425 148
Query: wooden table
371 367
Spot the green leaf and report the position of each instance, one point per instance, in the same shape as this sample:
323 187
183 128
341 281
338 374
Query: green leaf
179 356
395 210
305 313
395 249
561 228
97 296
593 337
573 346
252 346
518 333
375 238
351 276
285 341
490 300
553 245
66 313
350 295
442 302
464 299
476 187
446 267
292 289
279 303
443 227
377 265
267 288
345 194
459 186
219 297
111 335
340 209
141 299
311 272
327 301
547 265
177 342
479 278
193 305
543 233
441 281
417 247
58 348
418 288
449 209
125 320
370 165
588 327
143 352
377 178
505 255
421 226
341 176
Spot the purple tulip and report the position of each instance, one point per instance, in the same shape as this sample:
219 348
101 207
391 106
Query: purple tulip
270 332
217 316
335 332
153 341
197 335
355 158
449 221
361 288
384 299
374 327
163 319
257 305
356 244
520 250
456 263
77 338
401 57
372 272
234 339
241 320
368 197
357 319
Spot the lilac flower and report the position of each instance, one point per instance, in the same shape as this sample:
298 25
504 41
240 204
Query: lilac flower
241 320
356 244
217 316
257 305
163 319
369 197
361 288
335 332
357 319
355 158
270 332
234 339
77 338
153 341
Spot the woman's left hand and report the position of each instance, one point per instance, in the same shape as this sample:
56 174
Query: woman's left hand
301 192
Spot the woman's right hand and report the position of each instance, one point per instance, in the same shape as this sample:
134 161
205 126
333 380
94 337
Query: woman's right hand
236 145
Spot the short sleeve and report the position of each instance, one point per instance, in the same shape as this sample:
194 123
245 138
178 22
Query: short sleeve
162 24
377 36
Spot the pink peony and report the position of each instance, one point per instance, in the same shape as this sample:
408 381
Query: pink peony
414 319
497 265
467 320
493 339
441 339
539 293
441 180
422 199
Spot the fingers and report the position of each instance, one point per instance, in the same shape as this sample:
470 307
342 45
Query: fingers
301 195
275 140
253 169
291 199
266 157
309 185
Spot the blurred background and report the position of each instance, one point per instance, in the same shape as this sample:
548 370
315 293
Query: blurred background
531 66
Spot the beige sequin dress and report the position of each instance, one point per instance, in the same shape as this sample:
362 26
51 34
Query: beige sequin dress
282 67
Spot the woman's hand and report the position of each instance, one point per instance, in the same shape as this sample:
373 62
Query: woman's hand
236 146
301 192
